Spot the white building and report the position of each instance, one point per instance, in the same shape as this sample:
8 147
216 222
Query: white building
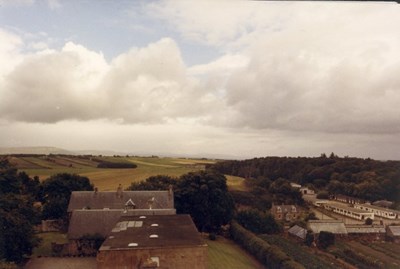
379 211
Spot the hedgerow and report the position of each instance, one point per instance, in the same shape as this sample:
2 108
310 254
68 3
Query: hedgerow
268 255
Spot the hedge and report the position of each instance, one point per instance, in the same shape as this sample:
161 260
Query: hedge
271 256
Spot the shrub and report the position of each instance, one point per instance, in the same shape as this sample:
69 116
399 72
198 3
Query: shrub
368 221
271 256
325 239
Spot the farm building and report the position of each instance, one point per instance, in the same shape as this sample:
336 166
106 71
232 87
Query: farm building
306 190
347 199
94 213
351 212
393 233
333 226
121 199
285 212
379 211
170 241
374 232
100 222
298 232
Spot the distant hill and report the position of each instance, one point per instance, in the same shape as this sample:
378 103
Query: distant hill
34 150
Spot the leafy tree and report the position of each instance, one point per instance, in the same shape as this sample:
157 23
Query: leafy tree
258 222
309 238
9 181
204 195
57 192
154 183
17 216
368 221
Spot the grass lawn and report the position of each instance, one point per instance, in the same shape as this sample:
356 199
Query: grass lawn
223 253
44 249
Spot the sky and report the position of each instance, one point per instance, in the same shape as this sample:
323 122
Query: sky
231 79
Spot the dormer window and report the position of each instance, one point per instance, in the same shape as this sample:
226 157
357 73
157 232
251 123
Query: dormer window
130 204
294 208
279 209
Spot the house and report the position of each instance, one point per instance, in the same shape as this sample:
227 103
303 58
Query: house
298 232
393 233
169 241
347 199
352 212
285 212
379 211
332 226
306 191
121 199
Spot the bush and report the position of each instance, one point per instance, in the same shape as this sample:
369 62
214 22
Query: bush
325 239
105 164
212 236
268 255
368 221
258 222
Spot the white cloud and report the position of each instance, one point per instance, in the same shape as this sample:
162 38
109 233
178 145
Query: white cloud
326 67
144 85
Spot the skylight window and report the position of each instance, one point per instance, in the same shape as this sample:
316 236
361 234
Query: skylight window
153 236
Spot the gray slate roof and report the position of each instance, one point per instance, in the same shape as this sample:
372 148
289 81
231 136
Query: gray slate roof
102 221
135 232
365 229
393 230
333 226
116 200
298 231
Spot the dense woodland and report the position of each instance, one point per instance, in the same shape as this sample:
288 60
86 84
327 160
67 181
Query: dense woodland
363 178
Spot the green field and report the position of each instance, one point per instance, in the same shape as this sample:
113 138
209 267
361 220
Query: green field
223 253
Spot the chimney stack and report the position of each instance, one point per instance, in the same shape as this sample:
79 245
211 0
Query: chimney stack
119 191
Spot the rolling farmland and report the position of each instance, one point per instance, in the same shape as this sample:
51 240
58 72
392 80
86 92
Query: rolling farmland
44 166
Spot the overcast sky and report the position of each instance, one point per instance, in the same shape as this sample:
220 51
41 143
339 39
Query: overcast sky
238 79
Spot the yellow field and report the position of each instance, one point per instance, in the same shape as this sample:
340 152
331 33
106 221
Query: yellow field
109 179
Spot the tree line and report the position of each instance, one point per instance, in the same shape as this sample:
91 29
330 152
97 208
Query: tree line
363 178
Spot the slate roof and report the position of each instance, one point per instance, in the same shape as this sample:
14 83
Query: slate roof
333 226
284 208
92 221
118 200
383 203
102 221
365 229
393 230
298 231
382 209
138 232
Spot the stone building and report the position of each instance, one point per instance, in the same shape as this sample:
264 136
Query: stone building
170 241
285 212
94 213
